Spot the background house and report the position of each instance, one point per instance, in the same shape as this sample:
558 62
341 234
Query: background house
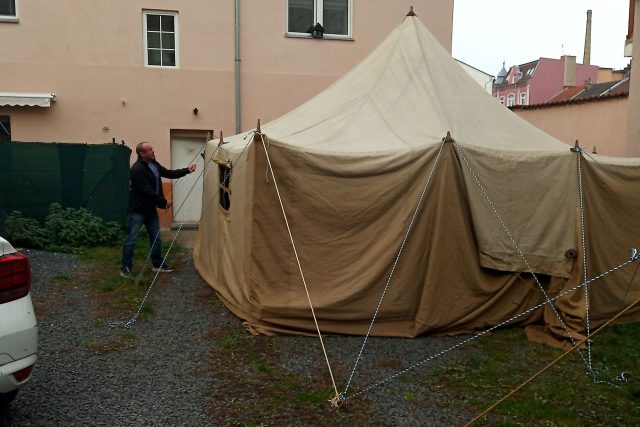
537 81
598 113
173 73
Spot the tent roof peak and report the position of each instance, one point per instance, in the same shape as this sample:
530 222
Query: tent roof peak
411 12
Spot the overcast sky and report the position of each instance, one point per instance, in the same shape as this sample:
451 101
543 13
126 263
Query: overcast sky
486 32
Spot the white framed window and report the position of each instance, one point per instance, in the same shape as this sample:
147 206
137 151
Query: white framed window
335 16
523 98
160 33
511 100
501 99
8 10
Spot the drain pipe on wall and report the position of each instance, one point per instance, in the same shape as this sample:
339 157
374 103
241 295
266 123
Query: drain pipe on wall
237 62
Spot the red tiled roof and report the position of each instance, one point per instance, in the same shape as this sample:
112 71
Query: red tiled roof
567 94
570 101
581 94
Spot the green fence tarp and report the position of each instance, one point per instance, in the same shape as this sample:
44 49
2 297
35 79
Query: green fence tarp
35 174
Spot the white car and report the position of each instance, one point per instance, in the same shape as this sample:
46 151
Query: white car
18 327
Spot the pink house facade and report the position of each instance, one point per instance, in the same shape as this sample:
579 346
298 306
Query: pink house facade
538 81
175 73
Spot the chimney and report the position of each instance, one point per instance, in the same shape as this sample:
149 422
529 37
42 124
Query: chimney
586 58
569 70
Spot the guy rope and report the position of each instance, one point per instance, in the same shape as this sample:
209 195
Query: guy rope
337 399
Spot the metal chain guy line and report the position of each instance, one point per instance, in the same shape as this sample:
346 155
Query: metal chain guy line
129 323
517 247
634 257
584 264
395 263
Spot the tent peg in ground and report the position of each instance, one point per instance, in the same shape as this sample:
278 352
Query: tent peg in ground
448 138
338 401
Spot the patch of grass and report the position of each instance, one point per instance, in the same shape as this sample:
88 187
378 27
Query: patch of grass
563 395
254 386
392 363
410 397
119 296
261 367
112 344
63 279
318 397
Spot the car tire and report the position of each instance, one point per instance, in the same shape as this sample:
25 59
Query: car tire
7 398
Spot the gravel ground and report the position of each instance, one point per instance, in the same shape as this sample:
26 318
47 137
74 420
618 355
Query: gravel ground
163 375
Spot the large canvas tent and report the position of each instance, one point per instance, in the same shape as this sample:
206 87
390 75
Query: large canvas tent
494 217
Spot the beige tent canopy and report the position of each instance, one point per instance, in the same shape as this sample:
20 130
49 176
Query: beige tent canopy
494 204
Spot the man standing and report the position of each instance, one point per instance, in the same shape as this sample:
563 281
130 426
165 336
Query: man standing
145 196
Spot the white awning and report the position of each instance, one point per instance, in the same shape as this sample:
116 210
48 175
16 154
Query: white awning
26 99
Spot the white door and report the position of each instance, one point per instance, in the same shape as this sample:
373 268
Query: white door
187 191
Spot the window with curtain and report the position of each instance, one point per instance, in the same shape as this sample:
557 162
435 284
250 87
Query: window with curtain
333 15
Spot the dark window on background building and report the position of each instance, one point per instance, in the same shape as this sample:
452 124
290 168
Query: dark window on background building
8 8
5 128
333 15
224 176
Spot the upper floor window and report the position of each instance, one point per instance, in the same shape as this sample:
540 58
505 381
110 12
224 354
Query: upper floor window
334 15
8 10
160 38
511 100
523 98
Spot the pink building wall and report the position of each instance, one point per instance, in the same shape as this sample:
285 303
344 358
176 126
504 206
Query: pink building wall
90 54
548 80
600 123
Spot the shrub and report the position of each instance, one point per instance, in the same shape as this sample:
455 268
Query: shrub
23 231
64 230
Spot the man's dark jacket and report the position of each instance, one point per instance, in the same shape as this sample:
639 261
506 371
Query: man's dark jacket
143 197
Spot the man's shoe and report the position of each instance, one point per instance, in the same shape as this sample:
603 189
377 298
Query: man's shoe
164 268
126 272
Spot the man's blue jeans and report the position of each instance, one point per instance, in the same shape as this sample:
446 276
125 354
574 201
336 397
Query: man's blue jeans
134 225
